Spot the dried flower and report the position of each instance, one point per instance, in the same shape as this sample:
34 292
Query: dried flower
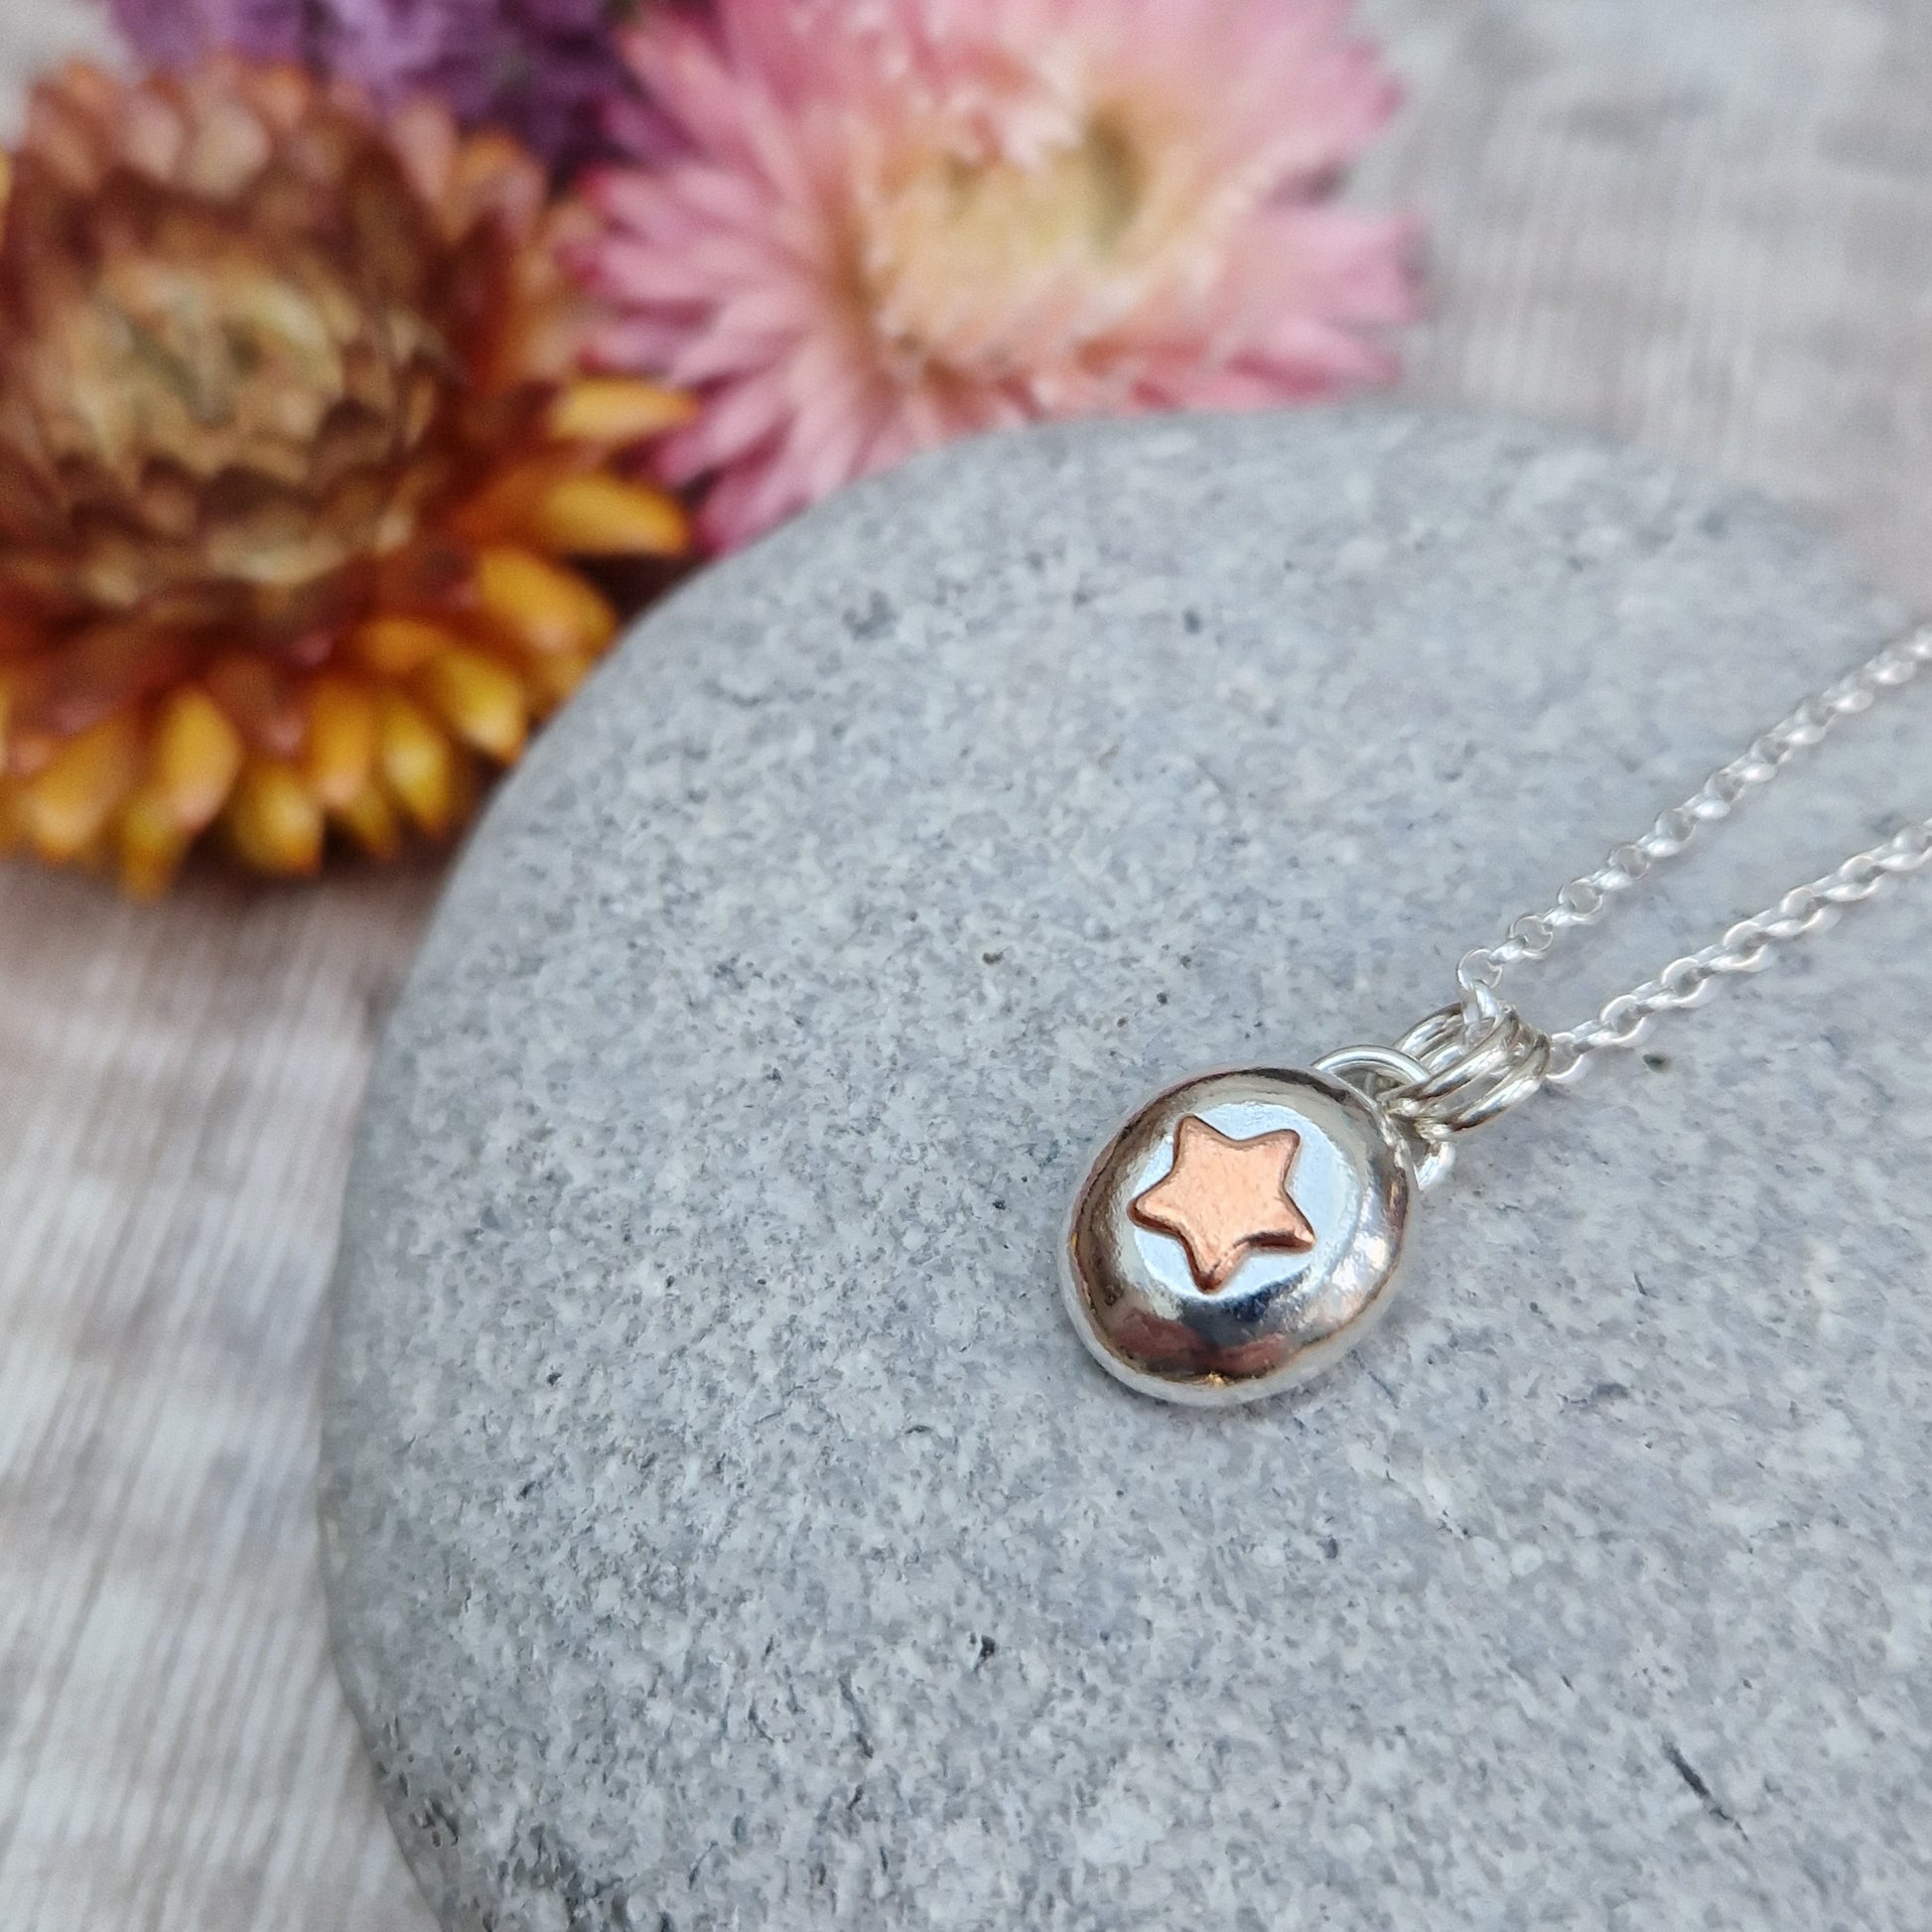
898 222
292 442
546 70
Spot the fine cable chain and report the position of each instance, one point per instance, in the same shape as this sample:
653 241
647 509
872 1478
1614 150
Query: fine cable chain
1745 947
1474 1060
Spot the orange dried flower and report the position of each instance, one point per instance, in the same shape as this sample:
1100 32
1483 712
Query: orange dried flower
293 451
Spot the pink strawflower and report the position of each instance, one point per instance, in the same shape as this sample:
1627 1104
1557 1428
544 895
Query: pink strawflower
896 222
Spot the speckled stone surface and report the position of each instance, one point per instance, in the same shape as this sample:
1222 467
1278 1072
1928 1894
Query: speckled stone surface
723 1527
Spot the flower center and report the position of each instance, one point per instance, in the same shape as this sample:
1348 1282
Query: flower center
967 261
249 413
211 365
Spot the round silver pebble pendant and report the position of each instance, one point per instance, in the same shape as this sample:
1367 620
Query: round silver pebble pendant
1237 1235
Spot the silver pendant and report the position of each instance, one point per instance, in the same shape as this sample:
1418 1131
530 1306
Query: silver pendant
1244 1229
1239 1233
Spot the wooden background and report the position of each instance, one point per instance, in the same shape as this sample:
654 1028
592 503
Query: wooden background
1704 224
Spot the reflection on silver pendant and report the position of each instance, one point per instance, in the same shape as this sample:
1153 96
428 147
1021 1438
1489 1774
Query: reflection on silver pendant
1239 1233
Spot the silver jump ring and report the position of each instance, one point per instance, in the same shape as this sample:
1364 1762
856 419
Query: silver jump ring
1475 1071
1396 1071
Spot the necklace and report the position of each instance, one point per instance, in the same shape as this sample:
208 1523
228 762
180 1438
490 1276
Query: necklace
1244 1229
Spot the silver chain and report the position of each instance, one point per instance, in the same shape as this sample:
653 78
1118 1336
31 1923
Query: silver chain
1474 1060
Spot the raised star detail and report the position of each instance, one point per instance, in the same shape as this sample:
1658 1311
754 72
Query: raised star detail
1224 1200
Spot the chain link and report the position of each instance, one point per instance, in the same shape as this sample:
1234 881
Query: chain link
1746 948
1481 1056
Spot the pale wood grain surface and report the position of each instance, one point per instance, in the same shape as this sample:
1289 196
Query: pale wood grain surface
1705 224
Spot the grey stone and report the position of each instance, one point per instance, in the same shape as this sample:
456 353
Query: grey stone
723 1527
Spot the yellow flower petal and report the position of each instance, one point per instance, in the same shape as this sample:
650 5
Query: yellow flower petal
260 700
194 755
552 679
541 603
152 842
340 749
371 820
599 516
274 820
417 761
615 410
396 647
66 806
478 700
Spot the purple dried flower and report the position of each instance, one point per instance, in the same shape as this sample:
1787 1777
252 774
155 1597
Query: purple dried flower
545 68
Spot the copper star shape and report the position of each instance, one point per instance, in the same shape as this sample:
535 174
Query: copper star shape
1225 1198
